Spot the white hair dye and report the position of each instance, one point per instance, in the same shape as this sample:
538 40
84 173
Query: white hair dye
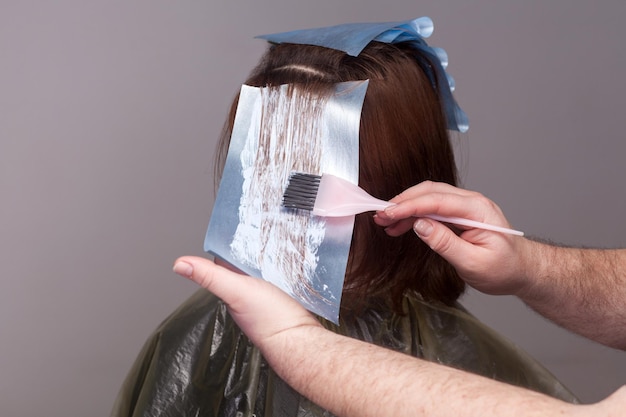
279 141
278 131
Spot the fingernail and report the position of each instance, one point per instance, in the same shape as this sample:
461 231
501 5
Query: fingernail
389 212
423 228
183 268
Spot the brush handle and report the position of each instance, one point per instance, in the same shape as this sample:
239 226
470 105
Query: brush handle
337 197
473 223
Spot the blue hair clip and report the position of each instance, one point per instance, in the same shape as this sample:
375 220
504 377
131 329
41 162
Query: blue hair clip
353 37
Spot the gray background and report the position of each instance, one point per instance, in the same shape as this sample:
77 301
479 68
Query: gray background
109 112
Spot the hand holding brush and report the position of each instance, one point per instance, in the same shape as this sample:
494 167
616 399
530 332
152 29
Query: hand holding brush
331 196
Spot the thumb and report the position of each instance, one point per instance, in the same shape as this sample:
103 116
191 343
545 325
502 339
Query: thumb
442 240
488 261
224 283
243 294
259 308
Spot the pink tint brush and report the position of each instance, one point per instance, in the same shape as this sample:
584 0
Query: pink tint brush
331 196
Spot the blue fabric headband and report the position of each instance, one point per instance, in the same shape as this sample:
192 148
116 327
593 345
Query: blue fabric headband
351 38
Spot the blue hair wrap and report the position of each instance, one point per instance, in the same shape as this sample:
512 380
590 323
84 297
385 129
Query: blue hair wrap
352 38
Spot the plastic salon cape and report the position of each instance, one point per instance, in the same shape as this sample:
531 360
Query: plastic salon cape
198 362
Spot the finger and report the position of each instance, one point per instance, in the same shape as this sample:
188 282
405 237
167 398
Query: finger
399 228
431 197
430 187
472 206
456 250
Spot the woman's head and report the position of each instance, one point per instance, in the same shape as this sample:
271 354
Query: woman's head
403 141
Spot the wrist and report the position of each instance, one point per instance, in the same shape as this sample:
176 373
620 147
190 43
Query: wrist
535 262
280 348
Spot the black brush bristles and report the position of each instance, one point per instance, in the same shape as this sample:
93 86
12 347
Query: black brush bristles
301 191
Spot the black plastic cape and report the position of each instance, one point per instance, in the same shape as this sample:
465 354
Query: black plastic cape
198 362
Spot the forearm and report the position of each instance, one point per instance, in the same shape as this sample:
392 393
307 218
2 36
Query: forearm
353 378
583 290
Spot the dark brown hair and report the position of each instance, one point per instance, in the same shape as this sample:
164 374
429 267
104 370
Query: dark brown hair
403 141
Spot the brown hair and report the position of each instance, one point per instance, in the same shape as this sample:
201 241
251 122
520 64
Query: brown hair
403 141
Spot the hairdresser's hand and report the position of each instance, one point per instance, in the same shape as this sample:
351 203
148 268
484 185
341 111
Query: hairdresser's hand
261 310
491 262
